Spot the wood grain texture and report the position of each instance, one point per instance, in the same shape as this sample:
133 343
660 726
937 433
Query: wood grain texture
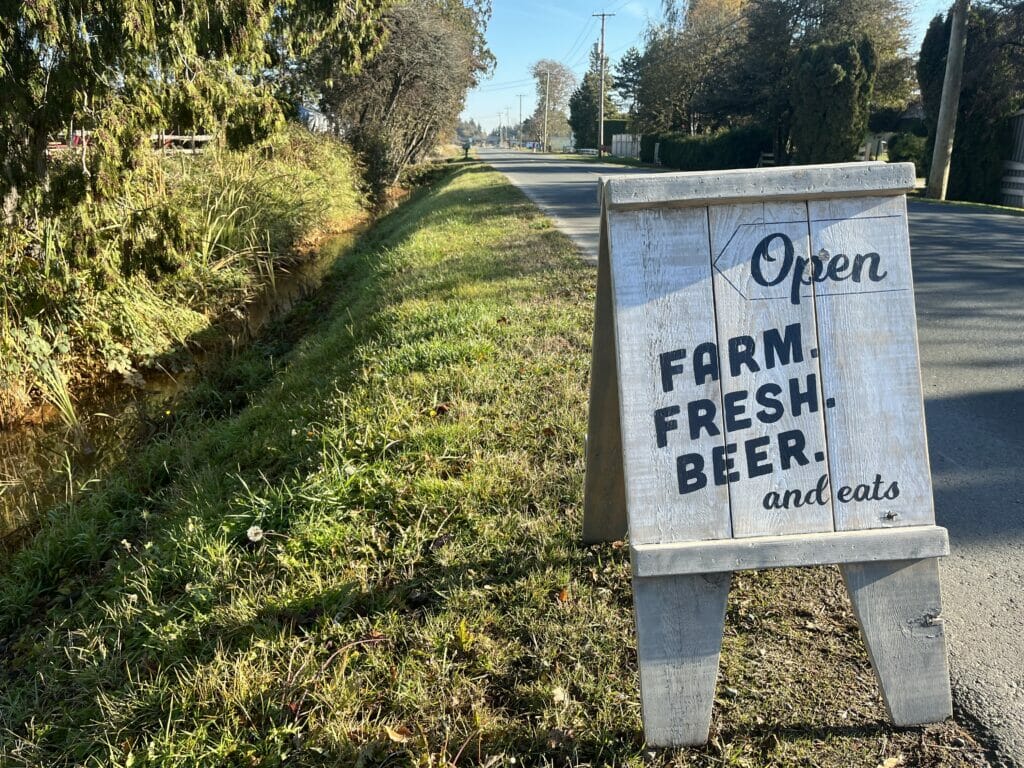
898 606
743 307
604 488
754 185
679 623
662 294
867 333
650 560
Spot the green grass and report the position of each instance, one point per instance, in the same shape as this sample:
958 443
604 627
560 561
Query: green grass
1005 210
358 546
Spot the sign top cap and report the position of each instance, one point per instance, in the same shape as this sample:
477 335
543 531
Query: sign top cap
799 182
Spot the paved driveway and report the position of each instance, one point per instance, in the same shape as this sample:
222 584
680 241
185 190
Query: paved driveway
969 282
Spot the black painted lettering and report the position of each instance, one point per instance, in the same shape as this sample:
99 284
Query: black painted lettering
818 495
876 489
808 397
757 457
791 448
893 491
705 363
874 262
700 414
690 473
722 464
845 493
837 267
664 423
781 349
671 366
799 279
762 255
771 500
771 407
741 352
791 498
734 406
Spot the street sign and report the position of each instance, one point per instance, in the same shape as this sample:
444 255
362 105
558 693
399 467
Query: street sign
756 403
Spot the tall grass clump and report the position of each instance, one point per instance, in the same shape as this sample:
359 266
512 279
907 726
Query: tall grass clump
116 283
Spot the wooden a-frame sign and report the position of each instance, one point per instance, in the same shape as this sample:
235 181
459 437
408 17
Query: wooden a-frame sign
756 403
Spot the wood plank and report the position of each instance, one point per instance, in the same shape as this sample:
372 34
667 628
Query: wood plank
661 190
898 606
663 305
604 488
867 333
769 493
679 621
651 560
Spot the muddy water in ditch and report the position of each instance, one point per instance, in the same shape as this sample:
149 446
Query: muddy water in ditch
46 463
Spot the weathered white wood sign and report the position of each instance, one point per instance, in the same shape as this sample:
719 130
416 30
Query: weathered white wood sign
756 403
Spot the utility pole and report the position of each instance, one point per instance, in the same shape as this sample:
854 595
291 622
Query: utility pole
520 95
508 126
600 119
938 177
547 97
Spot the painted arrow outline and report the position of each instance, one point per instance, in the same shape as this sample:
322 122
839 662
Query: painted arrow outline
814 294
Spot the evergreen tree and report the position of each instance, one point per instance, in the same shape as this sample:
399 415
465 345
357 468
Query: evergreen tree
126 68
626 78
831 97
584 104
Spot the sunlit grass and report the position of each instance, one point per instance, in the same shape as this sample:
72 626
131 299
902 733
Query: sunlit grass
362 550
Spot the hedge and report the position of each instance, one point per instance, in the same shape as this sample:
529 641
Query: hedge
735 148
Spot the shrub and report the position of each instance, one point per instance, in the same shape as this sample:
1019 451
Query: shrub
735 148
647 143
908 148
111 284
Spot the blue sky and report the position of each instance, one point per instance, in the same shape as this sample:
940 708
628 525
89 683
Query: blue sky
523 31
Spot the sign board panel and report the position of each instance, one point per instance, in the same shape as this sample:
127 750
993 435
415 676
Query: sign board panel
766 380
770 355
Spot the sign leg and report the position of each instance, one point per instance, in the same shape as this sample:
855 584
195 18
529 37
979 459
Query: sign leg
898 605
679 622
604 489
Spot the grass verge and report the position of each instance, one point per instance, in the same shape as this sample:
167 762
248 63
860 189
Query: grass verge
376 563
1005 210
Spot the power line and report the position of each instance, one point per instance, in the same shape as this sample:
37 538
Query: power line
579 40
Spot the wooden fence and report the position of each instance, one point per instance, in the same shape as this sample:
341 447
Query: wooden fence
1013 178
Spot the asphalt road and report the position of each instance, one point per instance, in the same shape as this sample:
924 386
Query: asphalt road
969 282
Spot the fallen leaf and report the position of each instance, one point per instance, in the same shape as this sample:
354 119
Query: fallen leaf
563 595
400 735
892 762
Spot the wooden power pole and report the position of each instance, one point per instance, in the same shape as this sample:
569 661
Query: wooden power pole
938 177
600 119
520 95
547 97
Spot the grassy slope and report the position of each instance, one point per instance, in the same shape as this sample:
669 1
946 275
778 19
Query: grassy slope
418 596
